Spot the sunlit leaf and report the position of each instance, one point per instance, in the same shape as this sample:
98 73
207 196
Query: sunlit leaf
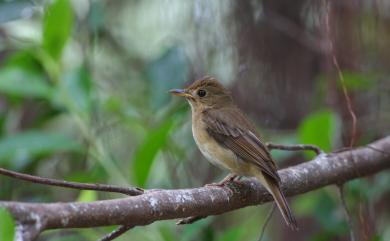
148 149
22 147
7 225
22 83
57 26
87 196
319 128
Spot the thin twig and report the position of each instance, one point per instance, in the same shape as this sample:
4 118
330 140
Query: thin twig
348 100
342 81
353 117
131 191
190 220
342 149
116 233
298 147
267 219
379 150
346 211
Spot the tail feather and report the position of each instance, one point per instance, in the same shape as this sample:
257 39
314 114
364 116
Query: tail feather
284 208
280 200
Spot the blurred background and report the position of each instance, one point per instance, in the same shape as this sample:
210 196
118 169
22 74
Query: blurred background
83 97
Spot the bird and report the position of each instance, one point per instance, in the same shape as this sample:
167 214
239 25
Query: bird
226 138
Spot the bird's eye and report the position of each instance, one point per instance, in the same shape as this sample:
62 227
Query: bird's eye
201 93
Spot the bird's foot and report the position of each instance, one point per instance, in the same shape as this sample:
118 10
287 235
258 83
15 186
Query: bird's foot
228 179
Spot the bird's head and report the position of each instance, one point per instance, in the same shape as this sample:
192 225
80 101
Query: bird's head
205 93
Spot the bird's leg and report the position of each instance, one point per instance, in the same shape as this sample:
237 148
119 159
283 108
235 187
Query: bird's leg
226 180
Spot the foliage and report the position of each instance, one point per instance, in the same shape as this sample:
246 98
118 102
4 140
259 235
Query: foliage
319 128
57 26
7 225
84 97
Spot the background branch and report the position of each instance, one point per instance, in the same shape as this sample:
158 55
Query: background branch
116 233
204 201
131 191
298 147
347 214
267 219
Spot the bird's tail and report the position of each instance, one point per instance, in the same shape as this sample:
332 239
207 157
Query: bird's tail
273 187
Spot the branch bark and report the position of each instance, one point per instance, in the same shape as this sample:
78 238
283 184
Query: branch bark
156 205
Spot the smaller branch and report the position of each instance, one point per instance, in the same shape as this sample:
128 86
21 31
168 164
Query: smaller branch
116 233
379 150
267 219
27 232
348 100
131 191
347 214
299 147
190 220
341 76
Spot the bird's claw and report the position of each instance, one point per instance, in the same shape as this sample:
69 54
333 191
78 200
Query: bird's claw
225 182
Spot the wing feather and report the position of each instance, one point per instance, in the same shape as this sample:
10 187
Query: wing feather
235 132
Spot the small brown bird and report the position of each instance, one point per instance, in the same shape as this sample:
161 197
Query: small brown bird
227 139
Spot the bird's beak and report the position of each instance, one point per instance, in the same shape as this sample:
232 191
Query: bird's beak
180 92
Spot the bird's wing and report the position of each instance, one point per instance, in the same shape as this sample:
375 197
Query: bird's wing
230 128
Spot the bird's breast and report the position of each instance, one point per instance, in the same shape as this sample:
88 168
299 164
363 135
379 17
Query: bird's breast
215 152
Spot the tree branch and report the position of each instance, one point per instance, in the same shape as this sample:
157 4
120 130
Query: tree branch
116 233
347 214
267 219
204 201
299 147
131 191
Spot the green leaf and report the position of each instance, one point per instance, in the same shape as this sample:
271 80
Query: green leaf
232 234
57 27
7 225
320 205
167 233
23 147
319 128
76 90
306 204
87 196
357 81
23 83
25 59
193 230
147 151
